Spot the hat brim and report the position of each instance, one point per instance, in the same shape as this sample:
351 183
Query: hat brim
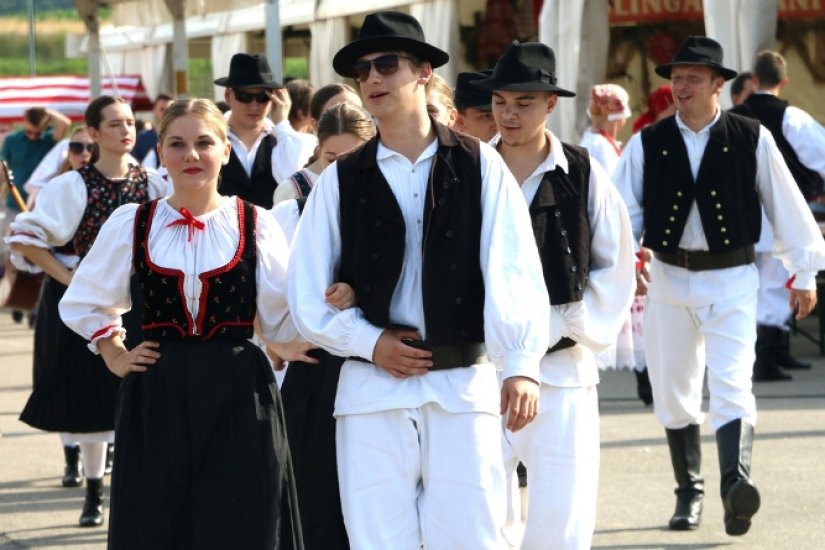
349 54
224 81
498 84
664 70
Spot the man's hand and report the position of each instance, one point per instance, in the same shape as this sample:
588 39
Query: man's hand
281 103
802 302
399 359
520 401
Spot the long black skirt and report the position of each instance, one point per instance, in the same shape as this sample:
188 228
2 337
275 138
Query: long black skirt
201 452
72 390
309 400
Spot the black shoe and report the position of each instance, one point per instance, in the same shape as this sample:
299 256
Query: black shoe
110 458
92 515
740 499
643 389
765 368
31 318
686 458
17 316
72 476
783 355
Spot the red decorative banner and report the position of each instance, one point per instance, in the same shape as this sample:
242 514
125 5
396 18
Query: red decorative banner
624 12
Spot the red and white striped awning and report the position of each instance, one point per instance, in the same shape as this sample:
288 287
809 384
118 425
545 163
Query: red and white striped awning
68 94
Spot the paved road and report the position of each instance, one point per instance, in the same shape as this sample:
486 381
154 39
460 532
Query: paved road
635 498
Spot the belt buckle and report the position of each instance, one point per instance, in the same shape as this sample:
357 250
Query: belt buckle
684 256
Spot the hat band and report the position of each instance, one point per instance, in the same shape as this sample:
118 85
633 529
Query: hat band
544 76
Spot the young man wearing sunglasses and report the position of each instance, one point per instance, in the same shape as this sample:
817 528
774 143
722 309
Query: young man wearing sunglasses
427 225
584 240
265 148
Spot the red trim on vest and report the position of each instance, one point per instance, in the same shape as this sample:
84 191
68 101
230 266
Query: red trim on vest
228 323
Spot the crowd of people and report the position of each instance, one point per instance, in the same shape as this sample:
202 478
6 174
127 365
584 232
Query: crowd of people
341 318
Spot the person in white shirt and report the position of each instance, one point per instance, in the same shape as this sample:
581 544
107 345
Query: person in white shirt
584 240
201 455
609 109
264 151
429 229
801 140
695 185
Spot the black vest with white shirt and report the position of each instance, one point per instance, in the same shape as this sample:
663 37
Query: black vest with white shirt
257 188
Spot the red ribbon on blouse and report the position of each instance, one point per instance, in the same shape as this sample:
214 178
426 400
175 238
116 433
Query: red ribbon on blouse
190 221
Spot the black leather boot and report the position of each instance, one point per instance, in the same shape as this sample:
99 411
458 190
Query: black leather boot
783 354
71 474
110 458
92 515
521 472
765 368
740 498
643 389
686 457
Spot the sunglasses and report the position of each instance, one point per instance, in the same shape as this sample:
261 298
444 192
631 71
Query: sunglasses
384 65
246 97
77 147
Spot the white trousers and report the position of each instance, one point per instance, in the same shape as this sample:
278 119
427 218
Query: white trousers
772 307
680 341
560 449
421 476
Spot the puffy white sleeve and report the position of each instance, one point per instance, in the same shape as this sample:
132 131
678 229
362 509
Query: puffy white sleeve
291 152
516 304
287 215
628 180
273 256
60 207
48 167
159 186
100 291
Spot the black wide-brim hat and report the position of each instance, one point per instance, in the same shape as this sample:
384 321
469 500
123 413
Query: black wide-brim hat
388 31
249 71
698 50
527 67
468 96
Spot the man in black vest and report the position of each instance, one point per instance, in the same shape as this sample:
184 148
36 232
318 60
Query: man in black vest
428 227
695 184
264 151
584 241
801 140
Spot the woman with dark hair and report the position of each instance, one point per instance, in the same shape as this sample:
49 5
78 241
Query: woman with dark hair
73 392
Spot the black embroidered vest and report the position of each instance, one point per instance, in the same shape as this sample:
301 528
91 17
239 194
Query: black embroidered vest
561 226
257 188
724 191
373 231
770 110
227 304
104 196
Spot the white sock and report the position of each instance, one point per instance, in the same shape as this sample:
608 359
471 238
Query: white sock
94 459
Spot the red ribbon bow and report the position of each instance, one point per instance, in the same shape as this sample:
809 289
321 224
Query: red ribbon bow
190 221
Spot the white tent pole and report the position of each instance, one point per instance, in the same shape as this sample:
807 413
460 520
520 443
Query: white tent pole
274 52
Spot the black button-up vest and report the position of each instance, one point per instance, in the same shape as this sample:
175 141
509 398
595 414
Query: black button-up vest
724 191
770 111
561 225
373 231
257 188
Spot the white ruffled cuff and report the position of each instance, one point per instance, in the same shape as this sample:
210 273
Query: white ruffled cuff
106 332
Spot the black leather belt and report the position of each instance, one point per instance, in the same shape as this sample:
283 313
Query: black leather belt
564 343
450 356
703 260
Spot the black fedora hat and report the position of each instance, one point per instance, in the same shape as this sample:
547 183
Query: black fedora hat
249 71
698 50
527 67
388 31
467 95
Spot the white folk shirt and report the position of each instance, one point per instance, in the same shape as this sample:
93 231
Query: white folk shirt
60 208
516 313
595 321
601 149
100 292
289 155
798 241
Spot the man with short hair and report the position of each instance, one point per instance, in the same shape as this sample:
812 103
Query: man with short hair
148 139
265 148
801 140
695 184
583 237
474 105
741 88
428 227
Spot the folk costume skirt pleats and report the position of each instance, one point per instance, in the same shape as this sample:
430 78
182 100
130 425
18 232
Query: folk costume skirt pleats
201 452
